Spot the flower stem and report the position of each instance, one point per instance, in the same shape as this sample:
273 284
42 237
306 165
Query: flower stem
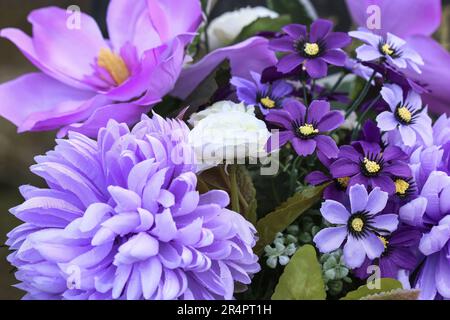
338 83
363 116
361 96
234 188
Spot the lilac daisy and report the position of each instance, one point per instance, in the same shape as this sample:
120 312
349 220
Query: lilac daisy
266 96
370 165
406 115
314 49
361 228
430 213
121 218
394 50
307 128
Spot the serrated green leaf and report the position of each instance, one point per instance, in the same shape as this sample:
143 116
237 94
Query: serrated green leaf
294 8
263 24
285 215
386 285
398 294
302 278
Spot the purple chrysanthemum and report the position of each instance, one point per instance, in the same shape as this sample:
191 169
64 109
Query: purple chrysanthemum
362 227
430 213
314 49
370 165
266 96
307 128
394 50
122 219
406 115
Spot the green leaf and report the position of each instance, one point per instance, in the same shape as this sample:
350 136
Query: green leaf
263 24
285 215
398 294
302 278
386 285
294 8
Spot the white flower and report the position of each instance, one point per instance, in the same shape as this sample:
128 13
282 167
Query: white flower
230 133
350 122
221 106
225 28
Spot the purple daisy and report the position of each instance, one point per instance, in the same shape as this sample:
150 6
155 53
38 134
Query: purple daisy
368 164
266 96
361 228
337 187
314 49
400 253
392 49
406 115
307 128
430 213
121 219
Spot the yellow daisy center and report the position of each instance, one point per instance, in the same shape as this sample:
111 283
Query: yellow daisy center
357 224
268 103
384 241
386 48
114 64
343 181
401 186
307 130
404 114
311 49
371 166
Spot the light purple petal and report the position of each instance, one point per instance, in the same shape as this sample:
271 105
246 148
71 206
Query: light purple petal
334 212
329 239
358 198
386 222
354 253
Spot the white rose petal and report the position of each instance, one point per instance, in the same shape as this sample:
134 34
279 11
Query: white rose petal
221 106
225 28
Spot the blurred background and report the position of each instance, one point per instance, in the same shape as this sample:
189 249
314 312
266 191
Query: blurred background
17 151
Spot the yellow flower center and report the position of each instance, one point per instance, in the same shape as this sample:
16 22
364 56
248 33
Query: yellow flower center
114 64
386 48
307 130
311 49
268 103
357 224
371 166
404 114
343 181
384 241
401 186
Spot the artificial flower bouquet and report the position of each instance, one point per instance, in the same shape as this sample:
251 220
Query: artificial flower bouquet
259 155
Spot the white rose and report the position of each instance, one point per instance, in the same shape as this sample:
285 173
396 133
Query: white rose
225 28
229 134
221 106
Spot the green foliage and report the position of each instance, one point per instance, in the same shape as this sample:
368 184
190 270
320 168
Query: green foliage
263 24
386 285
398 294
302 278
294 8
285 215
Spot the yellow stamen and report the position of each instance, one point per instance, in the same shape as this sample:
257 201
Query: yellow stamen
401 186
268 103
357 224
404 114
311 49
386 48
371 166
384 241
307 130
343 181
114 64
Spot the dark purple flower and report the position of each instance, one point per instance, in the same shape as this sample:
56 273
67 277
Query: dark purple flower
121 218
313 49
307 128
400 253
86 80
368 164
266 96
361 227
337 188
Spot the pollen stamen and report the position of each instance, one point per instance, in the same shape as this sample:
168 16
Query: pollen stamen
268 103
386 49
401 186
307 130
371 166
357 224
311 49
114 64
404 114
